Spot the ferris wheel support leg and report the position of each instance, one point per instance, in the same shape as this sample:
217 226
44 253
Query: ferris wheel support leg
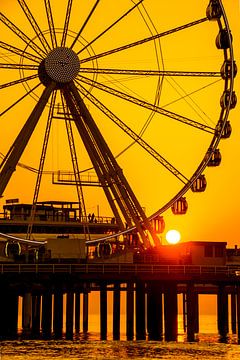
16 150
94 155
126 199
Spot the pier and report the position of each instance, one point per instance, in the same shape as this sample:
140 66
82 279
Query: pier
50 292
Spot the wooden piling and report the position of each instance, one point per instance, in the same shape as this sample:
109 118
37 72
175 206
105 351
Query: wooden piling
140 311
103 312
58 314
85 312
222 311
130 311
77 312
154 311
170 312
27 314
36 316
47 315
116 312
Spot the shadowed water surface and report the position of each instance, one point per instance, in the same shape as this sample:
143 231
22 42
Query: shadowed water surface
206 349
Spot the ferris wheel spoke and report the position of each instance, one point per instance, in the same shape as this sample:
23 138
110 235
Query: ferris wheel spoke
50 22
85 23
19 52
111 26
20 99
143 41
34 25
137 138
18 66
21 35
19 81
150 72
16 150
66 23
147 105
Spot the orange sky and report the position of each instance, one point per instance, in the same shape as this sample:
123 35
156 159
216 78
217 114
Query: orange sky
212 215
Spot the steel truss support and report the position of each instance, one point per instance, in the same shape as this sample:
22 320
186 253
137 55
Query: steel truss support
117 190
10 161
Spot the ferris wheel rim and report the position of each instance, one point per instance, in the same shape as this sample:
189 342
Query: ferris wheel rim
228 56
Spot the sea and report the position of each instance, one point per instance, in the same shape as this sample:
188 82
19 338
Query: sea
208 346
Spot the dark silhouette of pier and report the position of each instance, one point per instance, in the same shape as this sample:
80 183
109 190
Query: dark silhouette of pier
151 298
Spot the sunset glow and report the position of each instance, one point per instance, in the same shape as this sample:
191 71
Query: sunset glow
173 236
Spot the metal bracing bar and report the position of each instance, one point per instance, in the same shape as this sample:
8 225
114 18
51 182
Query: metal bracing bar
150 72
135 136
110 27
18 66
50 22
41 165
21 35
10 161
143 41
66 24
20 99
19 52
34 25
94 155
127 198
147 105
73 153
11 83
84 24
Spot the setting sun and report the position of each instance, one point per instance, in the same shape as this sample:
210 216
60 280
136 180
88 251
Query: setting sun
173 236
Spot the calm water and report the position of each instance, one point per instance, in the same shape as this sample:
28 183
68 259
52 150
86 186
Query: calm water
207 347
109 350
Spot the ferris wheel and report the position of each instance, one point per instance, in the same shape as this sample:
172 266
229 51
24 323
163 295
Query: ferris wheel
128 98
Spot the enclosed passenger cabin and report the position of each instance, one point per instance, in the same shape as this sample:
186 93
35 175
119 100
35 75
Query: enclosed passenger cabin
226 129
215 158
228 100
223 40
200 184
158 224
180 206
214 11
228 69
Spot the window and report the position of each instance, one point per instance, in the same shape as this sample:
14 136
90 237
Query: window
208 251
219 251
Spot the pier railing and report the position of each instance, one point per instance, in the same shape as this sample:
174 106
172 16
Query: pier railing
131 269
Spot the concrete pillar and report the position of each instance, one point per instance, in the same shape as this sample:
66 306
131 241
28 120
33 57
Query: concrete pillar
36 315
192 312
140 311
85 312
233 313
47 315
27 313
130 311
58 315
170 312
222 312
69 316
77 312
154 311
103 312
116 312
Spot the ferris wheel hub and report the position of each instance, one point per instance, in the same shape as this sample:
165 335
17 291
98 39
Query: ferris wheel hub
62 64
